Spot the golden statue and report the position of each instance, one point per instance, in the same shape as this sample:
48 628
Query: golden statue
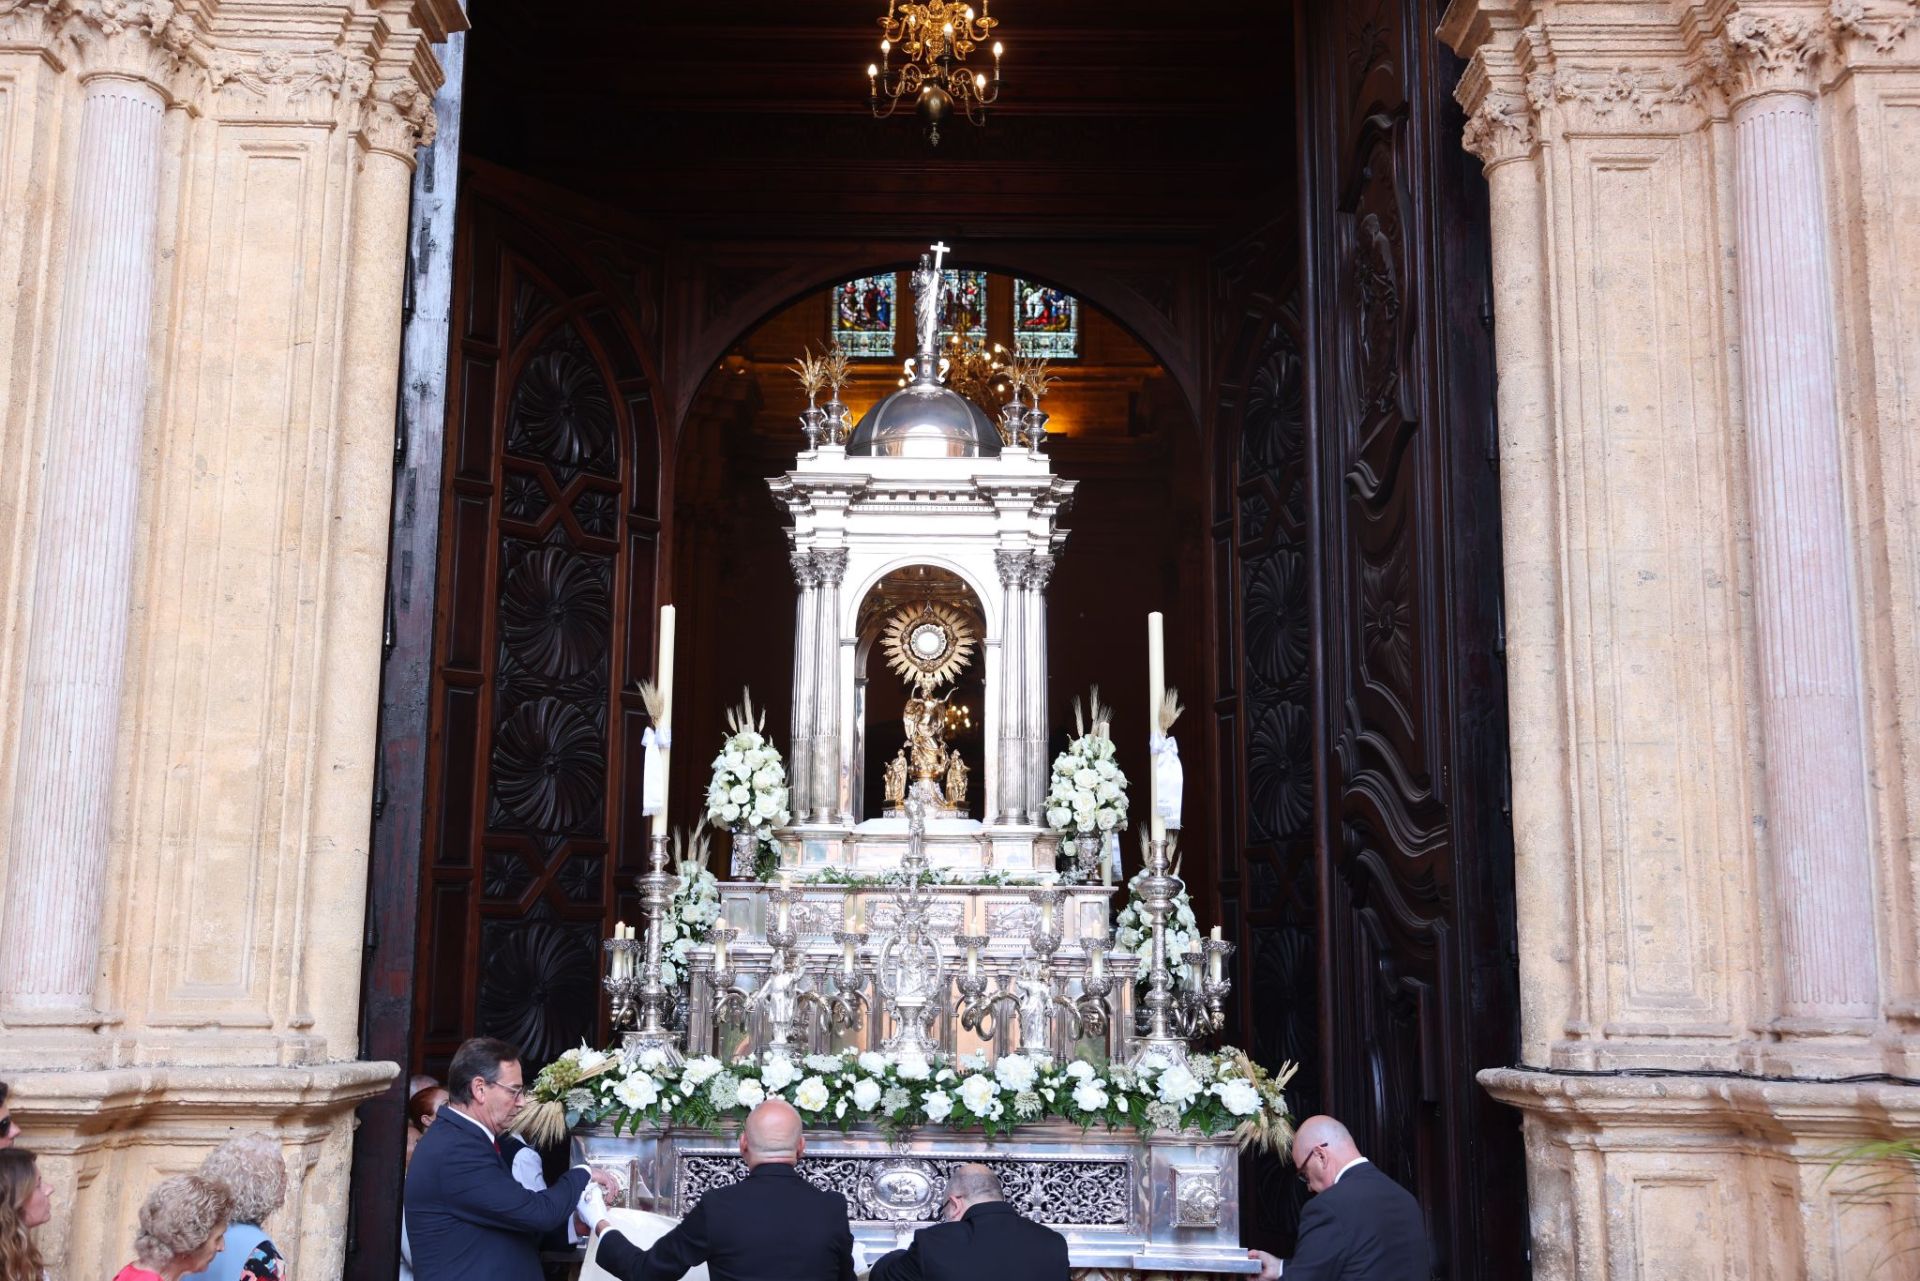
895 779
925 720
956 781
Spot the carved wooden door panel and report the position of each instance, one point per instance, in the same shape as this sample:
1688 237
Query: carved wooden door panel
549 559
1418 985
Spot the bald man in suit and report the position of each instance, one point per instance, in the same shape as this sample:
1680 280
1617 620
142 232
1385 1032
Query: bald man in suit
1360 1224
771 1226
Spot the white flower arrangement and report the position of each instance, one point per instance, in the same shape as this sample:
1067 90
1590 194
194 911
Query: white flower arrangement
748 791
1208 1093
691 914
1087 794
1133 932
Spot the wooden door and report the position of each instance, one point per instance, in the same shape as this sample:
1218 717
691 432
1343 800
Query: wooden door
1418 983
549 557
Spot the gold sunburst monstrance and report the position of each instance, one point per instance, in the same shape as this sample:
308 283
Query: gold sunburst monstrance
928 645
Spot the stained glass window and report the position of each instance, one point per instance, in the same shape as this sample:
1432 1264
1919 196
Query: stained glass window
1046 322
966 296
864 316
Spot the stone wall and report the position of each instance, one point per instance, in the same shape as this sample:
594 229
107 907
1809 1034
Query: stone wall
203 212
1706 237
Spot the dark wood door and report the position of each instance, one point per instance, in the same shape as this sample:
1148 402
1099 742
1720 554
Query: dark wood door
1417 981
549 564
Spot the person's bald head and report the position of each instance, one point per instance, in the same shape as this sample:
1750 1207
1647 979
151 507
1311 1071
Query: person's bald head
1321 1147
772 1134
968 1185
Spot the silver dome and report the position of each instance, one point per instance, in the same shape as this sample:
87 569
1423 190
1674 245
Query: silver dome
925 420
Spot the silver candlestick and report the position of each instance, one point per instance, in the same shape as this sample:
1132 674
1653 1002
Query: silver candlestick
729 1001
910 971
1157 889
622 981
813 423
1092 1015
848 1000
655 1002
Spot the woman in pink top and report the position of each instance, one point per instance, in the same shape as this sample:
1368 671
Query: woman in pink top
182 1226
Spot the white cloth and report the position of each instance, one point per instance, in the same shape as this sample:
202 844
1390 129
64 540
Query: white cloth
653 769
1168 778
453 1110
642 1229
1359 1160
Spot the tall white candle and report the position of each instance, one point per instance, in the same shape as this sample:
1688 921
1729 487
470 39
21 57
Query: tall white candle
1156 691
973 961
719 953
1213 959
663 668
1099 962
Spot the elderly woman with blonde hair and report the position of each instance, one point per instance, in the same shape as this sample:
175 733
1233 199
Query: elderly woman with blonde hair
182 1226
253 1170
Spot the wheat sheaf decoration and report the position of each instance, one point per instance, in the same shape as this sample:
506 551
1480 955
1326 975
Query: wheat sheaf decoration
928 645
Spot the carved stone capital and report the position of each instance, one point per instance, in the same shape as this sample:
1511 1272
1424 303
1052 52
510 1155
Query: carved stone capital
1881 27
1012 566
1774 52
830 565
288 82
397 117
147 40
804 572
1039 571
1500 128
1620 97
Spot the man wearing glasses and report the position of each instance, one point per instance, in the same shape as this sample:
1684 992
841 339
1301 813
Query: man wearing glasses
467 1217
1360 1224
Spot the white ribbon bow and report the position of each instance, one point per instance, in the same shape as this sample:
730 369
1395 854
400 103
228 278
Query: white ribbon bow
1168 778
653 773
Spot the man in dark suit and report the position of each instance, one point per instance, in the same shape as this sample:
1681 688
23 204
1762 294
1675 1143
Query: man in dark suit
467 1218
983 1237
771 1226
1360 1225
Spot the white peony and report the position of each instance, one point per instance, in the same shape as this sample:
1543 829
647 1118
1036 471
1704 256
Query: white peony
866 1093
652 1059
1080 1070
913 1067
699 1071
1015 1072
939 1107
637 1091
1090 1096
1238 1097
873 1063
977 1092
1178 1086
779 1073
752 1093
811 1096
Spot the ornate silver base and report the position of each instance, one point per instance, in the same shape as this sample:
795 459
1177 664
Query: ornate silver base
1169 1204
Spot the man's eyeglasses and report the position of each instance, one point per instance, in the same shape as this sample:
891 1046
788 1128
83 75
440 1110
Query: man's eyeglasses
1300 1170
519 1092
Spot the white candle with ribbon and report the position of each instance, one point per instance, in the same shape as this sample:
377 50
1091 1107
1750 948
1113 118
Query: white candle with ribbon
658 738
1156 691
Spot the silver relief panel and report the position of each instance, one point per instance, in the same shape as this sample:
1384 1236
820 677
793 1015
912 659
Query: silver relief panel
895 1189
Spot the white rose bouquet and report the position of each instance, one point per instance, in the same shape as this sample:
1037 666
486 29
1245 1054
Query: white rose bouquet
1087 795
1133 931
748 791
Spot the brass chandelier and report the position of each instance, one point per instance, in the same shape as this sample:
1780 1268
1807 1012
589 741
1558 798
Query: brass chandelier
933 41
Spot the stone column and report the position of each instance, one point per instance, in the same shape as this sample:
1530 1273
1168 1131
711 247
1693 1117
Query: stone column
1033 780
1012 798
1809 695
831 566
800 758
77 638
1501 132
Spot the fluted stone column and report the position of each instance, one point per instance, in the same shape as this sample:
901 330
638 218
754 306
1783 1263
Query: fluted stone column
1013 792
1034 762
77 639
1816 769
830 564
800 763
